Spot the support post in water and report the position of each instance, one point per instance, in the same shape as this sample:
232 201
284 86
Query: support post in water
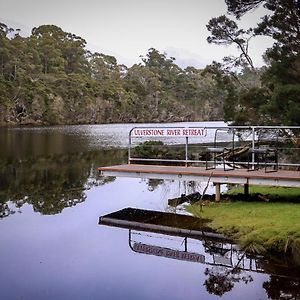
218 192
246 189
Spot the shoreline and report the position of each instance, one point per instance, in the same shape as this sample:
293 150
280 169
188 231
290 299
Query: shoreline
271 228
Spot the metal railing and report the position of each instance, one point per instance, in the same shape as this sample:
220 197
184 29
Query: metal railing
287 139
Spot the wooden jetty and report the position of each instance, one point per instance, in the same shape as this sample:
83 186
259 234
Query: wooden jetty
218 176
261 147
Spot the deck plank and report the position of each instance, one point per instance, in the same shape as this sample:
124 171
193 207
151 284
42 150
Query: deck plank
237 176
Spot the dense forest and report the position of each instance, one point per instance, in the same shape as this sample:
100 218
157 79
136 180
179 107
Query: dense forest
50 77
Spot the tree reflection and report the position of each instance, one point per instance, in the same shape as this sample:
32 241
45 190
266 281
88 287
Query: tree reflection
221 280
282 288
153 184
5 210
53 183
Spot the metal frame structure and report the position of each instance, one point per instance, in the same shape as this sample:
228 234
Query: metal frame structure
219 151
264 153
253 130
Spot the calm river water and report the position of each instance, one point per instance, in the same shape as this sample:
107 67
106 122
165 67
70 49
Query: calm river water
52 246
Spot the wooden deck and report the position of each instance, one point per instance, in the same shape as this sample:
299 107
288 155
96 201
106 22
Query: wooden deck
237 176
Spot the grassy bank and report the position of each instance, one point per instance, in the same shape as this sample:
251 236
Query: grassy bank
259 227
274 193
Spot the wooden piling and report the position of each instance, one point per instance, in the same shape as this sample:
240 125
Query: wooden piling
246 189
218 192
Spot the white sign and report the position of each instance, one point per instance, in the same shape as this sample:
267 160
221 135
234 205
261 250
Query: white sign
169 132
169 253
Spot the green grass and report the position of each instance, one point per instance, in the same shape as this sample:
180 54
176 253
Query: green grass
257 226
274 192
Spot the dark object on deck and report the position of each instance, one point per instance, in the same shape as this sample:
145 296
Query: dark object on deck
191 198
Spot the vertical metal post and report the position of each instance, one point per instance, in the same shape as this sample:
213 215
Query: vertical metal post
276 151
129 148
233 159
186 150
253 147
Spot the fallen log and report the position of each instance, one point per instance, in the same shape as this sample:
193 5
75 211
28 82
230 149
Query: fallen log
191 198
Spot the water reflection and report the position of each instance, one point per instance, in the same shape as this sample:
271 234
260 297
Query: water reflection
52 183
282 288
153 184
221 280
50 200
186 238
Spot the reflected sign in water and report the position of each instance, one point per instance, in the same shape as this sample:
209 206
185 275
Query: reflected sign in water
168 253
218 250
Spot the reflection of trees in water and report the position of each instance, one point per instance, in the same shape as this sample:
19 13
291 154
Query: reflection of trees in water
153 184
183 187
282 288
221 280
53 183
5 210
186 187
284 285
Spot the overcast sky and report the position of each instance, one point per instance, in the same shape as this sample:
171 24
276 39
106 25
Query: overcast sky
128 28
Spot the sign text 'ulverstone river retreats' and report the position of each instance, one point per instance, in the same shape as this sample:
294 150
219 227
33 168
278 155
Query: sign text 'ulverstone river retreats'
171 132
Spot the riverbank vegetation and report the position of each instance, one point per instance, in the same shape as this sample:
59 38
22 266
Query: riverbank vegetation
50 77
276 100
271 227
